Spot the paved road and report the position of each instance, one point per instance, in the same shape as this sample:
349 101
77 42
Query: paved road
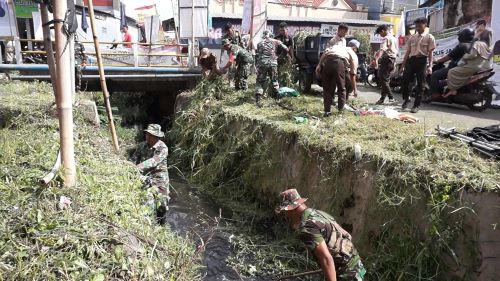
446 115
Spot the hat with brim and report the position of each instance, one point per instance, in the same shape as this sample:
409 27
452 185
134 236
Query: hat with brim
155 130
290 200
204 53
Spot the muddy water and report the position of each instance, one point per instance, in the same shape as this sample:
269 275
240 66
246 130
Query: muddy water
193 215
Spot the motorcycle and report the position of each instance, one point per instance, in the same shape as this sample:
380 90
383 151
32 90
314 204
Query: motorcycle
394 80
477 94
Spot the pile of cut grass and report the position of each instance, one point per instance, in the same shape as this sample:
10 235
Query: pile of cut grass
107 233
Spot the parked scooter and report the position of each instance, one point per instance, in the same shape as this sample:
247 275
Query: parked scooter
394 80
476 94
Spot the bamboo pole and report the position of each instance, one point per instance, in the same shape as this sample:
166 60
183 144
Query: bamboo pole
64 99
102 77
47 42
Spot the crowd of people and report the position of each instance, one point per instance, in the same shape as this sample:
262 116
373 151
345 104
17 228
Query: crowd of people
274 58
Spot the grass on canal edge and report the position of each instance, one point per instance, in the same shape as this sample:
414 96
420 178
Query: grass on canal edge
409 164
106 233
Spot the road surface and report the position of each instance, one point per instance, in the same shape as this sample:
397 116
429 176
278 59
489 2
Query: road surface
446 115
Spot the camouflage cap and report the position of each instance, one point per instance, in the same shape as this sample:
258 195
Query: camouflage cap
155 130
290 200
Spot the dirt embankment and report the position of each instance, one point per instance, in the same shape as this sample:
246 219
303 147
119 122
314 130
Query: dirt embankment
413 212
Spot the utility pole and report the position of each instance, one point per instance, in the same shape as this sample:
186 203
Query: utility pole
63 91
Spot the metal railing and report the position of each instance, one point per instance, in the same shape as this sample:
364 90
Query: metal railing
137 50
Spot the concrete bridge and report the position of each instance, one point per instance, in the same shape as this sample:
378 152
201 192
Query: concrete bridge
118 78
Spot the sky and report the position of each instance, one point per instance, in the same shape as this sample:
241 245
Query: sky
164 7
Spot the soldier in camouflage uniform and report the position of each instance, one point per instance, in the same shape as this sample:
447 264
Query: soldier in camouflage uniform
234 37
267 65
80 62
151 160
285 58
321 234
242 58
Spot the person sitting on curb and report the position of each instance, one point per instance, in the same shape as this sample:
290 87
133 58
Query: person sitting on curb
321 234
151 159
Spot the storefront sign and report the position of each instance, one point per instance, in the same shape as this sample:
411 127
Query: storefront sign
25 8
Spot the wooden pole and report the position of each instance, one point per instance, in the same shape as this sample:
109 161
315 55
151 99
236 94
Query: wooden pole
102 77
64 99
47 42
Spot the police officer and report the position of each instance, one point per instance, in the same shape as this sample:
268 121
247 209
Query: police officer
267 65
80 63
151 159
321 234
285 58
242 59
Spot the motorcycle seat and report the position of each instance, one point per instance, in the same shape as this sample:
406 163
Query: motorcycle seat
484 71
482 75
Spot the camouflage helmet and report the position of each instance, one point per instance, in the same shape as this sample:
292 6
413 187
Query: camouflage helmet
155 130
225 42
290 200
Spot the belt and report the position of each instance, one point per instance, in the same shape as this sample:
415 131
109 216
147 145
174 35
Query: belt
418 57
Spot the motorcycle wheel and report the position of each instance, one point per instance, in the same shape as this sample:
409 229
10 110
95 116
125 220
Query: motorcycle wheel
305 81
484 102
371 80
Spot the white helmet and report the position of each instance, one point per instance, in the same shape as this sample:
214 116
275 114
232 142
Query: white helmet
354 43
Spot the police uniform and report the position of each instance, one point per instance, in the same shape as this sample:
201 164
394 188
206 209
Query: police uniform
152 163
267 65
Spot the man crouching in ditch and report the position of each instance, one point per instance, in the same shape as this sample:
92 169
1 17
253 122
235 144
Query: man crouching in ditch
151 159
321 234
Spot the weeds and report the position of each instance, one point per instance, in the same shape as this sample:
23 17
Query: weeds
106 234
232 149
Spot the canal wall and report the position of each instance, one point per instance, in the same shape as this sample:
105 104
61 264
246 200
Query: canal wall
410 219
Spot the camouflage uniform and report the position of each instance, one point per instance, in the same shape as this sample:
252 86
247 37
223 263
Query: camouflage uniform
80 60
152 163
243 60
317 226
234 39
285 68
267 65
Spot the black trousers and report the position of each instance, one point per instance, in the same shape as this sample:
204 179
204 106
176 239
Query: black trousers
384 74
415 66
333 77
436 77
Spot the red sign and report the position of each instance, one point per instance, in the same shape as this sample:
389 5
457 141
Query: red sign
100 3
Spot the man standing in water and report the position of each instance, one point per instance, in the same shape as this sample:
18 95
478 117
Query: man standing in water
151 159
321 234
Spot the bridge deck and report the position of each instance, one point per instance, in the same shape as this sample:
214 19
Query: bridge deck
118 78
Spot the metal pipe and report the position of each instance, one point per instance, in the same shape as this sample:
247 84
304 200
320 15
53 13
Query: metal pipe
113 76
44 67
64 100
102 78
